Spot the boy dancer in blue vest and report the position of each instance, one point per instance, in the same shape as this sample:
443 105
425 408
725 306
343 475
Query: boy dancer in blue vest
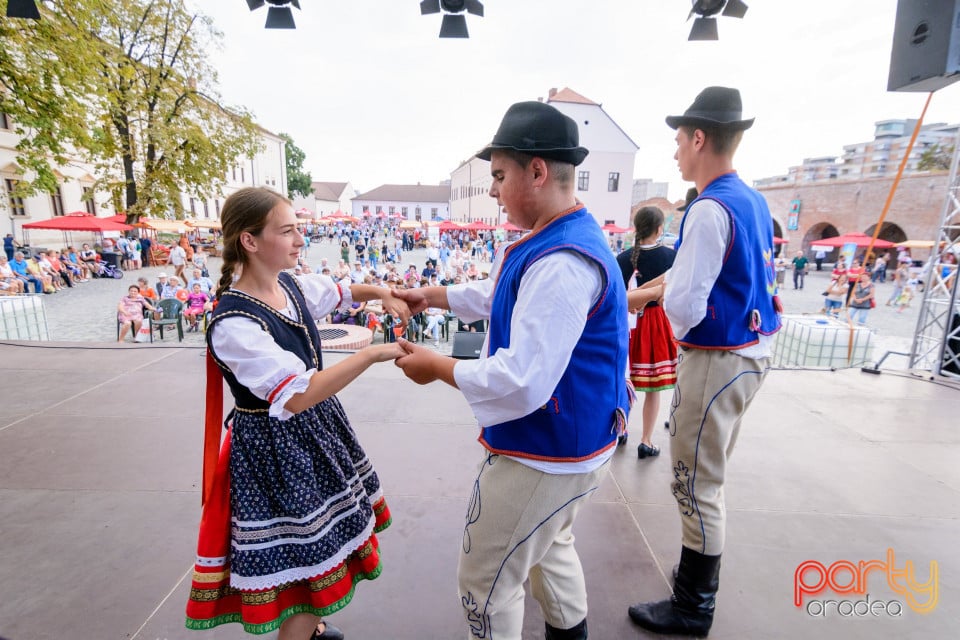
550 396
720 298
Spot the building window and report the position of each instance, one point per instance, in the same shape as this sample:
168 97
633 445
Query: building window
366 208
89 201
613 182
56 199
206 210
243 176
433 213
193 207
391 210
234 174
216 206
4 121
417 213
16 202
583 181
380 210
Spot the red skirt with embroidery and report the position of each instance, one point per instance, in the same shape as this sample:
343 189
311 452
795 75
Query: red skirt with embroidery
653 352
214 602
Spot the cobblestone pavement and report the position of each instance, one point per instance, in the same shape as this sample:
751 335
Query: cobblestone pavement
87 312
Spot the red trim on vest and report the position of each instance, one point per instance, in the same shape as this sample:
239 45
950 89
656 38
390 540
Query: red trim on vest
531 456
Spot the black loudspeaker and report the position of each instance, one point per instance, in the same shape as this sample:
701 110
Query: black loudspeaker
948 364
467 344
926 45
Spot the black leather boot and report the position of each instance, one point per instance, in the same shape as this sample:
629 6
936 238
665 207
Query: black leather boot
689 611
578 632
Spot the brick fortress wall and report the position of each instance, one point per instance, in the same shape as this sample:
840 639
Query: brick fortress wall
837 207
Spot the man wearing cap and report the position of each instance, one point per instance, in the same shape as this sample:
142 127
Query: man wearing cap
550 397
720 298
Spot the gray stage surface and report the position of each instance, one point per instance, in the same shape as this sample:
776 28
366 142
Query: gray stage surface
99 502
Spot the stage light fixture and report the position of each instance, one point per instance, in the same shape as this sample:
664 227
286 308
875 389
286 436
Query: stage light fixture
23 9
279 16
705 26
454 24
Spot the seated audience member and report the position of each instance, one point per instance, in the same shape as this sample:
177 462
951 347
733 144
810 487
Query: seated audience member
206 284
147 291
435 318
89 258
195 306
47 271
33 269
130 311
11 283
353 315
60 267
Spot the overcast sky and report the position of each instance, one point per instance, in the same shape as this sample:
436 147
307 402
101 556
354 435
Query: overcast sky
373 96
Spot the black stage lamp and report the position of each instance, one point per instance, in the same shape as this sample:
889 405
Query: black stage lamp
454 24
279 16
705 27
23 9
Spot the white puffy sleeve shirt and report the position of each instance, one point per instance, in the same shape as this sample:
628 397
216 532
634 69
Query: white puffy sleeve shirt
261 364
550 314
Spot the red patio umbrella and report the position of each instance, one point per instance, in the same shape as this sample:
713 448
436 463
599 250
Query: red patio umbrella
449 225
859 239
477 225
778 240
612 228
78 221
509 226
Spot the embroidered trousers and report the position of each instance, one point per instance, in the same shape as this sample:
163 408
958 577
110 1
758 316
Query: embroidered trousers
714 389
518 526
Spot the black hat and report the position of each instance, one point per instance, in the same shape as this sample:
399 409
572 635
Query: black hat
692 194
540 130
714 108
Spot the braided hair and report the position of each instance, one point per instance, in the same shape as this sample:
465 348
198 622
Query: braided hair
646 221
245 210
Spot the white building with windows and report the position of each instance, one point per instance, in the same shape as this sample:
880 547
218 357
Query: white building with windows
410 201
75 191
604 181
327 198
268 168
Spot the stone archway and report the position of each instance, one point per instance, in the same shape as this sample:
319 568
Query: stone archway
820 231
889 231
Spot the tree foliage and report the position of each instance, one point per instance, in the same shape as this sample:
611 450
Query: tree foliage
935 157
127 86
298 181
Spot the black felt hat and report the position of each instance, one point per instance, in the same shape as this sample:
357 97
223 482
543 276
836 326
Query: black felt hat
540 130
714 108
692 195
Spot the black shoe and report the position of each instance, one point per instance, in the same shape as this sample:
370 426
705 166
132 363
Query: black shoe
330 632
647 451
578 632
622 440
689 611
666 425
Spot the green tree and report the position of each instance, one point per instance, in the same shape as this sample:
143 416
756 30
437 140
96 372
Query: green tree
935 157
127 84
298 181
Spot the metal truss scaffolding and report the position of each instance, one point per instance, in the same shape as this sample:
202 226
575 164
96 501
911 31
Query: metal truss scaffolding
936 343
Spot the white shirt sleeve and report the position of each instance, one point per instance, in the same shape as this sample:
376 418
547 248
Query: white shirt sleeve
550 314
323 294
706 232
259 363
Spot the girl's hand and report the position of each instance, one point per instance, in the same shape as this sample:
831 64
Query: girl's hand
385 352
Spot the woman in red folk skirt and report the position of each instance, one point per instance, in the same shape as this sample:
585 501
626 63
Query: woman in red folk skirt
653 351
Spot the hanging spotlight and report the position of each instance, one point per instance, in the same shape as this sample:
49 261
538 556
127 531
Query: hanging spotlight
279 16
23 9
705 27
454 24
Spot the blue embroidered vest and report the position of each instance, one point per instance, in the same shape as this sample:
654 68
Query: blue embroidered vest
582 417
743 302
299 338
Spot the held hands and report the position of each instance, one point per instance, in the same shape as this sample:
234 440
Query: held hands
386 352
397 305
416 362
413 298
